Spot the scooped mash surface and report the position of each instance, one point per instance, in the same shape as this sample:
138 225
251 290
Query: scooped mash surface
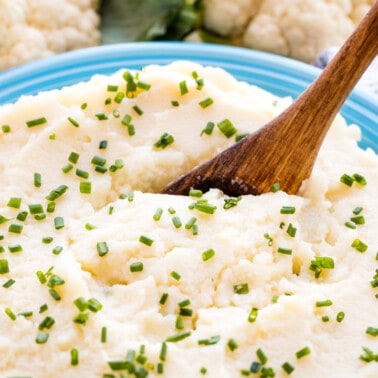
102 277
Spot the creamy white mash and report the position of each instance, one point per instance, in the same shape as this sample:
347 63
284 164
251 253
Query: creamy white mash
101 276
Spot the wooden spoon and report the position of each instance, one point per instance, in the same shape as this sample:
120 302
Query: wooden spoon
285 149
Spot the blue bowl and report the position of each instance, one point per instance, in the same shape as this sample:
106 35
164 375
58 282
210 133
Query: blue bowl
279 75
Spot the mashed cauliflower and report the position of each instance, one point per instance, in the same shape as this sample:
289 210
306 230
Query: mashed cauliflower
101 276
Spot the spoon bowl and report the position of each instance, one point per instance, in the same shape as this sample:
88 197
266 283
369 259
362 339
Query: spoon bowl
284 151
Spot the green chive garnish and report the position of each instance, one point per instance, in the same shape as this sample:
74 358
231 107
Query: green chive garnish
241 288
359 245
136 267
227 128
73 122
206 102
208 254
85 187
208 130
36 122
164 141
303 352
178 336
146 240
102 248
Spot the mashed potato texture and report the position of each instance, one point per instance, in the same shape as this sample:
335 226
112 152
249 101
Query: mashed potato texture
102 276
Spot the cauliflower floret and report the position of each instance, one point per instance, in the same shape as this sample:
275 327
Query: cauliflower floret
31 29
229 18
300 29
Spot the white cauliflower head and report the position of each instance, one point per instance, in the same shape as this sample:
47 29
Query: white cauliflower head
300 29
33 29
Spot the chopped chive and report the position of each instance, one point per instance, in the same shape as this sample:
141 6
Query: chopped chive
56 193
208 130
158 213
360 219
350 224
15 248
179 324
67 168
81 303
163 351
210 341
190 223
89 226
227 128
368 355
240 136
81 173
9 283
73 122
206 102
372 331
359 179
303 352
46 323
359 245
57 250
131 129
43 308
175 275
185 312
37 180
103 145
41 277
74 357
346 179
81 318
146 240
285 251
324 303
104 333
183 87
163 298
255 367
136 267
195 229
143 85
112 88
287 210
58 222
42 338
47 239
241 289
357 210
184 303
10 313
50 207
205 207
15 228
261 356
73 157
118 365
101 116
171 210
291 230
137 110
340 316
14 202
4 266
119 97
102 248
176 222
22 216
195 193
232 345
275 187
94 305
83 105
208 254
253 315
231 202
320 263
178 336
85 187
26 314
287 367
36 122
98 160
164 141
325 318
6 129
